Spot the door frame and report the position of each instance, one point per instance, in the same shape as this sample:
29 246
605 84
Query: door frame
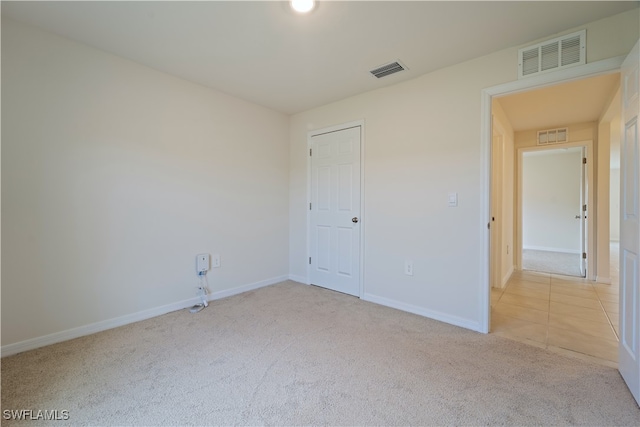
362 217
586 182
591 69
591 247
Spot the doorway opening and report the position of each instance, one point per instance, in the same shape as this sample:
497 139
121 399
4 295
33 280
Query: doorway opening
561 310
554 211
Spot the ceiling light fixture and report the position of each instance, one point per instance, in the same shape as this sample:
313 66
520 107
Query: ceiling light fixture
303 6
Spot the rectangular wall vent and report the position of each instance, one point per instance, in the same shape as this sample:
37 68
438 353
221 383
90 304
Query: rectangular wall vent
387 69
553 136
551 55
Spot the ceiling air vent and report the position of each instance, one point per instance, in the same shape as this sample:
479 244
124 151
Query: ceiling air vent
553 136
388 69
555 54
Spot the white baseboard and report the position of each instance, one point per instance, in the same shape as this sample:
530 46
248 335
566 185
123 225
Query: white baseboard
246 288
431 314
605 280
299 279
92 328
549 249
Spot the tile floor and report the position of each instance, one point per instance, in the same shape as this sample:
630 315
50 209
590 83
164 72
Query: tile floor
563 314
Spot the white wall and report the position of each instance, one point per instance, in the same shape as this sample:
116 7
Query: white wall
422 140
551 199
114 176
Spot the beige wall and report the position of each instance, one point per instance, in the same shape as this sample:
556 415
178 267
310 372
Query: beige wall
608 183
422 141
506 177
114 176
578 132
603 207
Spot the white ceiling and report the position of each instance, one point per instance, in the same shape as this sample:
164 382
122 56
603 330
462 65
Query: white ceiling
560 105
264 53
554 106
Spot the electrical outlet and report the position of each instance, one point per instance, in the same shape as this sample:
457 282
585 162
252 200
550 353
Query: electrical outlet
453 200
216 260
408 268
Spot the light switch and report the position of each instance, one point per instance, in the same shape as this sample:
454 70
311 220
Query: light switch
453 200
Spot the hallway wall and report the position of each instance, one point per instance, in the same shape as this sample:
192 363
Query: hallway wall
507 188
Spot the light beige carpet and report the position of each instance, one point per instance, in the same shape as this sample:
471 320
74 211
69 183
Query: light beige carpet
291 354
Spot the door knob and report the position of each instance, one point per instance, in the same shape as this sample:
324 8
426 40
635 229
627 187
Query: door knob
354 219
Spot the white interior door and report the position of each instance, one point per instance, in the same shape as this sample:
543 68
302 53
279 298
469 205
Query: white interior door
335 211
583 215
629 356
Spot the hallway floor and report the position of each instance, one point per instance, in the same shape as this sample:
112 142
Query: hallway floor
562 314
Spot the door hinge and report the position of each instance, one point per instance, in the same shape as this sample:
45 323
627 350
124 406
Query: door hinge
584 255
309 206
584 208
584 160
489 225
309 260
310 151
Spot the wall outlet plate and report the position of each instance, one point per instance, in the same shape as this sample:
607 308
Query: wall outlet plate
408 268
453 200
202 263
216 260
